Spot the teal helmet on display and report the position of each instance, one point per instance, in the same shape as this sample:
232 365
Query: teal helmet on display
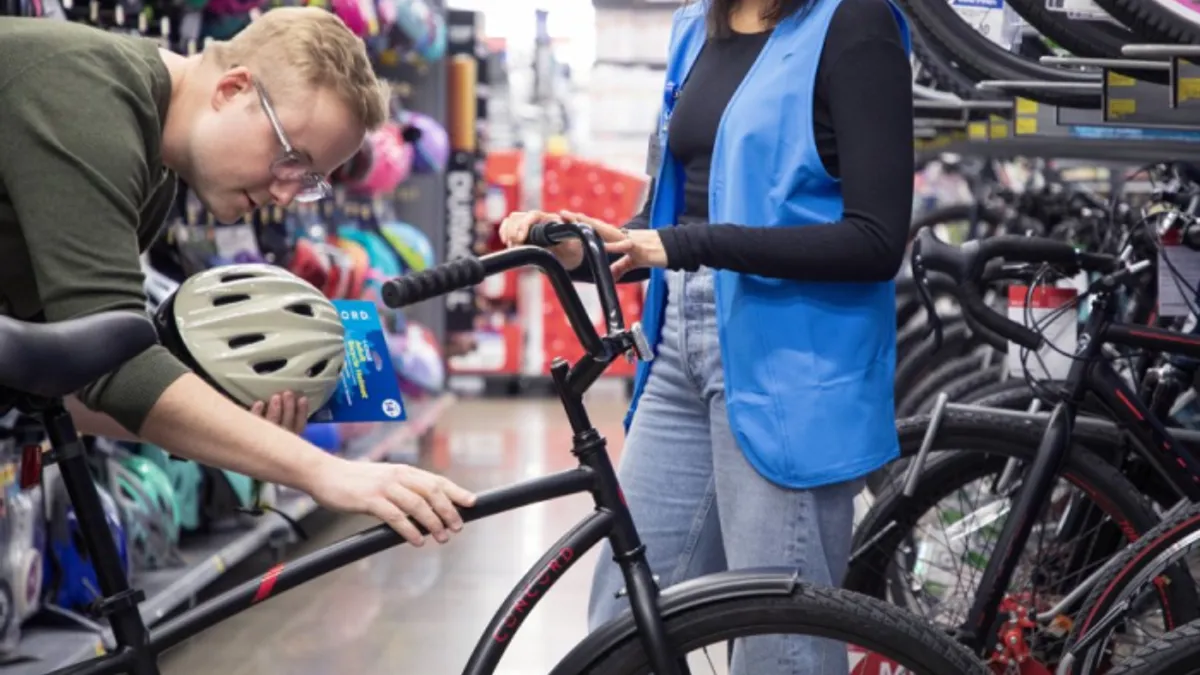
186 478
148 518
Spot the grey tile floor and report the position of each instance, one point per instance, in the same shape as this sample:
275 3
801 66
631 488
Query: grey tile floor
421 611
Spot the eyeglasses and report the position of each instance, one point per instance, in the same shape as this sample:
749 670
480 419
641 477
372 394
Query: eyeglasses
293 166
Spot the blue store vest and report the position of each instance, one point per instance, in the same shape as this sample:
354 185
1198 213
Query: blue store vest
809 367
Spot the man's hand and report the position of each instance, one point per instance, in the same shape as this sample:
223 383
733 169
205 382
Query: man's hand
285 410
392 493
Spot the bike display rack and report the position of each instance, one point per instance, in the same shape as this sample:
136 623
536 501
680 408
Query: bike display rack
1134 121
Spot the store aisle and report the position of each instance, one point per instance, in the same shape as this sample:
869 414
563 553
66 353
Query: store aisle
421 610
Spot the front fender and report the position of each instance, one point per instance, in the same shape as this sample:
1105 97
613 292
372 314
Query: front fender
679 599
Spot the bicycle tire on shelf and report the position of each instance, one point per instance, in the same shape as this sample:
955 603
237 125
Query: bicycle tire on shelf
929 386
826 612
1125 567
1176 653
981 59
962 389
1151 21
1088 39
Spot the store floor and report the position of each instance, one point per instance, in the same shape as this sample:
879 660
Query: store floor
420 611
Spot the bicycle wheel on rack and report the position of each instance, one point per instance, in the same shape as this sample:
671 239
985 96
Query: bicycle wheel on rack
1147 591
926 552
873 631
1176 653
979 58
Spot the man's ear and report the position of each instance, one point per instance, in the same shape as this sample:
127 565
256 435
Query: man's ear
230 85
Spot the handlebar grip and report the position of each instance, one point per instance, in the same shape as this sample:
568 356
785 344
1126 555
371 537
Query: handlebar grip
938 256
1029 249
433 282
548 234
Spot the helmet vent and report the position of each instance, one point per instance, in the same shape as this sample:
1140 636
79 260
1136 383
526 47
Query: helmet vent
301 308
230 299
236 276
317 368
269 366
246 340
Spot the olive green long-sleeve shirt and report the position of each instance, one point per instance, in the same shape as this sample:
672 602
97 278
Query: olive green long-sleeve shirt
83 190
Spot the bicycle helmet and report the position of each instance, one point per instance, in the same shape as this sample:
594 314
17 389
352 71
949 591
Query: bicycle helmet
149 516
412 245
256 330
186 478
70 577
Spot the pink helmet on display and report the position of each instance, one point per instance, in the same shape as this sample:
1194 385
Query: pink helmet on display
233 6
430 142
391 162
358 15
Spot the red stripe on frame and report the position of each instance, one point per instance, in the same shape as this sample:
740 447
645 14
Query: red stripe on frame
268 583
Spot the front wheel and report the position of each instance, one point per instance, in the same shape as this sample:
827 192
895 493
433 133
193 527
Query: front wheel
879 637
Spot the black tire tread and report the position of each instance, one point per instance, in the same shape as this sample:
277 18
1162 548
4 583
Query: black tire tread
884 628
1176 653
1121 568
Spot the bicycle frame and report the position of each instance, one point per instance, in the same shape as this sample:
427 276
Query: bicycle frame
611 519
1089 373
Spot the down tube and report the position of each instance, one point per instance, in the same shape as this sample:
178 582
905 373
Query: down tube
1172 461
532 588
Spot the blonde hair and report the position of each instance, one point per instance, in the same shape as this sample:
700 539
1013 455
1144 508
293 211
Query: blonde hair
312 48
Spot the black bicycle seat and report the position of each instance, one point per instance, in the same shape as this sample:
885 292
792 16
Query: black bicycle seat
59 358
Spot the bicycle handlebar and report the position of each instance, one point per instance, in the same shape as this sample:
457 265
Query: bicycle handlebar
966 265
465 272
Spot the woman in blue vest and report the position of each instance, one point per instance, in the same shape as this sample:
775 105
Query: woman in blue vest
778 217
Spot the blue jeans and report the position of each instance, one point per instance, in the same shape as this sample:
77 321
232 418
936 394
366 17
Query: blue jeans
701 508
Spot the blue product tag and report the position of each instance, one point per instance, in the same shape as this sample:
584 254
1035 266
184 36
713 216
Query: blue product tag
368 390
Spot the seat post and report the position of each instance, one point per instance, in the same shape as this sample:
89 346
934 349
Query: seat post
119 603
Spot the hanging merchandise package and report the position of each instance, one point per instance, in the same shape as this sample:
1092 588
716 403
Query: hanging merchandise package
368 390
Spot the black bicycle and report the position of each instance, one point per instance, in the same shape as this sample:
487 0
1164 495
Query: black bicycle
1091 378
44 362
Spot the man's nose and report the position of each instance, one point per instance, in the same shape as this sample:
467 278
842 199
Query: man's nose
283 193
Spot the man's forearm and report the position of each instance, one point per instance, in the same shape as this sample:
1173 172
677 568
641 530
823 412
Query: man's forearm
193 420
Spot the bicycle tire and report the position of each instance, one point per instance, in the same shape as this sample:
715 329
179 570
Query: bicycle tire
1176 653
1124 569
963 388
970 445
1153 22
924 357
1089 39
936 381
826 612
981 59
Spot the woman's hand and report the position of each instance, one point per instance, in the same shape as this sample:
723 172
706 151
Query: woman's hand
640 248
286 410
514 231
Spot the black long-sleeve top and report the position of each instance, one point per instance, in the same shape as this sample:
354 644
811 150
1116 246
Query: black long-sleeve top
862 121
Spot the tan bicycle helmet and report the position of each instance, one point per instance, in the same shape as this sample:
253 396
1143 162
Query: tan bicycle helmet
255 330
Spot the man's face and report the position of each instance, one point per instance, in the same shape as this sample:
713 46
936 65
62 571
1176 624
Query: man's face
241 158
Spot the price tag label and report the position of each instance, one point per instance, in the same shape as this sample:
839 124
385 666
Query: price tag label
1050 311
368 390
1178 277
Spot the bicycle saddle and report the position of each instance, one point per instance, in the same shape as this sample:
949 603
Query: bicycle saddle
55 359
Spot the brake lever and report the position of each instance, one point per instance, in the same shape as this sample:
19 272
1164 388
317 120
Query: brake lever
921 281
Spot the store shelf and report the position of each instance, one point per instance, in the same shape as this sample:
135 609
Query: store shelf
46 648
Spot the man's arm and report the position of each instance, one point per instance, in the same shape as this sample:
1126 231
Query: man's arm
193 420
91 423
